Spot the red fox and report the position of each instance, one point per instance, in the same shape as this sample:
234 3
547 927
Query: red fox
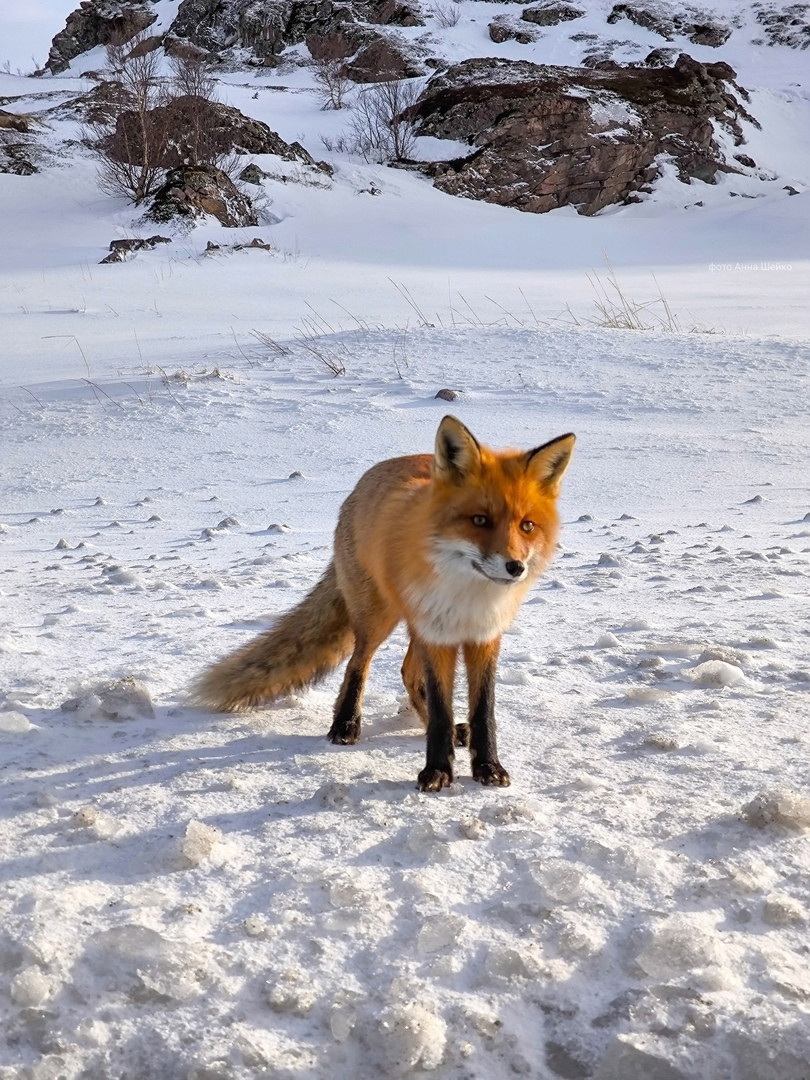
449 543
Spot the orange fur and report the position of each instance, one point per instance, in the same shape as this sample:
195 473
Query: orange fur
449 543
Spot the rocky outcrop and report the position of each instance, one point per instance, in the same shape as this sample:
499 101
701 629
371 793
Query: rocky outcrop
699 28
784 24
506 27
120 249
198 191
269 26
97 22
193 129
213 27
551 14
546 137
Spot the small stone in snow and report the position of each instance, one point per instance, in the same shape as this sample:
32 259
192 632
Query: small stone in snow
448 395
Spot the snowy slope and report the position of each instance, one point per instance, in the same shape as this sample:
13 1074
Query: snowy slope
203 897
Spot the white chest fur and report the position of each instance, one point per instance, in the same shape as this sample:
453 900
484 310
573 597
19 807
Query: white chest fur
460 605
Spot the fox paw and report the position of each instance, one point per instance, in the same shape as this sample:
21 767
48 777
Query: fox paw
430 779
491 772
462 734
344 734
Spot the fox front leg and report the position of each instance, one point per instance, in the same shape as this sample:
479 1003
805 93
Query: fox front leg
481 661
439 667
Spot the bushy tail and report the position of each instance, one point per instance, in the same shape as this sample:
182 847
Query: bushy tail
302 647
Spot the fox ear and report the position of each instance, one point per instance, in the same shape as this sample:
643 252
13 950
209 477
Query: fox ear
548 462
457 451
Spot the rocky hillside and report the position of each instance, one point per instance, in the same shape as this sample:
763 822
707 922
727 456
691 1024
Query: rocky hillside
646 89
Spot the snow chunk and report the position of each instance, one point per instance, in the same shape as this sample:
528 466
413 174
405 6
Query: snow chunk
30 987
116 699
14 723
414 1036
606 641
780 807
199 842
716 673
781 910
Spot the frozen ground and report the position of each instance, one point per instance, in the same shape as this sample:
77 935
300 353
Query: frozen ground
196 897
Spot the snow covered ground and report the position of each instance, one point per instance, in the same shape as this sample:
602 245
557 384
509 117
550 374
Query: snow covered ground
196 897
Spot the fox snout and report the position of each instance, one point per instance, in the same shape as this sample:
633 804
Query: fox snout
500 569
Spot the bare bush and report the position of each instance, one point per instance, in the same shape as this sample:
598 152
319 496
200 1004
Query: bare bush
192 76
159 117
382 129
446 14
130 154
329 55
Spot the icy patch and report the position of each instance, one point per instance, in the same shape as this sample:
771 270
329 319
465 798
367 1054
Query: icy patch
779 807
677 946
118 699
147 966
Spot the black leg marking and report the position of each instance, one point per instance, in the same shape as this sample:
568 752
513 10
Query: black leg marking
346 722
483 745
438 770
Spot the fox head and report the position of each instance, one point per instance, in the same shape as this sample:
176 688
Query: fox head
494 511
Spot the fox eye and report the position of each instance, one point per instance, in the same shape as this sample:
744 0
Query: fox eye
481 521
527 526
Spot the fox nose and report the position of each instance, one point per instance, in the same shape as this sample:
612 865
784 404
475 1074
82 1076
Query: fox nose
514 567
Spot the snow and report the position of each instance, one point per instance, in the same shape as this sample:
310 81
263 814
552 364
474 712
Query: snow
188 895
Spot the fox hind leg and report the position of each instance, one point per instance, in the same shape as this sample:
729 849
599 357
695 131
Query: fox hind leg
413 676
369 634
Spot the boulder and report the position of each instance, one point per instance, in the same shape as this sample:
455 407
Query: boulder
507 28
97 22
700 27
196 191
547 137
192 129
551 14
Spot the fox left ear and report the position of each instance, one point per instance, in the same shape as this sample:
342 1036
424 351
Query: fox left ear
548 462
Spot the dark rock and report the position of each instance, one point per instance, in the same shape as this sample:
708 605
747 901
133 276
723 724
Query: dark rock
746 161
195 191
119 249
97 23
704 32
508 28
785 24
385 57
448 395
100 105
661 58
14 122
252 174
192 129
549 137
268 26
551 14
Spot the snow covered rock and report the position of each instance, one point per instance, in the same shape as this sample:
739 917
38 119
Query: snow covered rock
601 132
117 699
97 23
198 191
778 808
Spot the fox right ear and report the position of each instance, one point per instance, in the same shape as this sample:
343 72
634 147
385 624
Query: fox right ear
457 450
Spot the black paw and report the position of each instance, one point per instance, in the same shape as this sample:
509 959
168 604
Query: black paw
462 734
491 772
344 734
430 779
